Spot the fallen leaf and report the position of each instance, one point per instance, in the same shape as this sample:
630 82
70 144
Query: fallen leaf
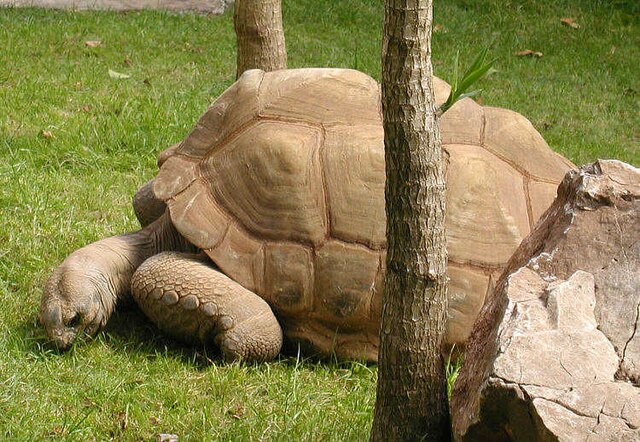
58 430
92 43
86 108
527 52
146 82
237 411
122 420
127 62
164 437
88 402
570 22
118 75
47 134
439 27
479 99
154 421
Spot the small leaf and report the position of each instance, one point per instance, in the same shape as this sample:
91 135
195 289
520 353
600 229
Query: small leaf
567 21
478 62
528 52
92 43
478 69
236 412
46 134
473 76
470 94
118 75
127 62
440 28
122 420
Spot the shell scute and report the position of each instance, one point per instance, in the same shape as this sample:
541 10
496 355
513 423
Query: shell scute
466 291
237 106
196 216
320 96
512 137
241 255
344 284
176 174
487 215
462 123
541 195
353 160
289 277
269 179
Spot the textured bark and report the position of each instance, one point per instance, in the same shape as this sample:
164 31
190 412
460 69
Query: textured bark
411 401
260 37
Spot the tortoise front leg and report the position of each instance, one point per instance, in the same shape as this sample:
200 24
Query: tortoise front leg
188 299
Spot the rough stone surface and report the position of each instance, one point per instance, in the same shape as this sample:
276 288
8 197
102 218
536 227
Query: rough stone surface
208 6
555 353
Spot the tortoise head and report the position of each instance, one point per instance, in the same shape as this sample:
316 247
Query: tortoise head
71 305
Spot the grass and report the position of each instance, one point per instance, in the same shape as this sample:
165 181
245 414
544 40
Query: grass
58 193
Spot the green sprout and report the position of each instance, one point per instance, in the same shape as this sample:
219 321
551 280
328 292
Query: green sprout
452 369
476 71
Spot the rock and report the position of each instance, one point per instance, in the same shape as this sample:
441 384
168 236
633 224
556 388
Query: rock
555 352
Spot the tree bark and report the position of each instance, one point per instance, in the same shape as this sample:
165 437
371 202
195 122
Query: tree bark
411 402
260 37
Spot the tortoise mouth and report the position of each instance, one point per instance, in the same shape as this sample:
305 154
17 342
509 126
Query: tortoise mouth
64 332
63 339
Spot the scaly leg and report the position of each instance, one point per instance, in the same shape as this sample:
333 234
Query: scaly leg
188 299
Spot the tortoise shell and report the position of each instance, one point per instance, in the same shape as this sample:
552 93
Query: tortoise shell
281 182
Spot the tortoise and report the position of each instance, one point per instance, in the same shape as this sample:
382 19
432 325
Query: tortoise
277 198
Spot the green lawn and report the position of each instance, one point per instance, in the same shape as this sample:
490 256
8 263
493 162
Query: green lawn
58 193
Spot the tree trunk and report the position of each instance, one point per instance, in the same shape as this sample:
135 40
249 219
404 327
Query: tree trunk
260 37
411 402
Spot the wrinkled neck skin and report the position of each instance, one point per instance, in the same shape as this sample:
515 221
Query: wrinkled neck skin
84 290
117 258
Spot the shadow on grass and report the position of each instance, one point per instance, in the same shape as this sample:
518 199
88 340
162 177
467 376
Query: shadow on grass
131 333
128 331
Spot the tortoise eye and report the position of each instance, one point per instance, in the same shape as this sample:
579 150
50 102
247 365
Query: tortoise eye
74 321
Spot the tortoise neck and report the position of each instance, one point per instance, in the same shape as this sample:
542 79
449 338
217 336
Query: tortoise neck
162 236
125 253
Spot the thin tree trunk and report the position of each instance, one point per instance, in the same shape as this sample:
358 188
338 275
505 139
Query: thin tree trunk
411 402
260 37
